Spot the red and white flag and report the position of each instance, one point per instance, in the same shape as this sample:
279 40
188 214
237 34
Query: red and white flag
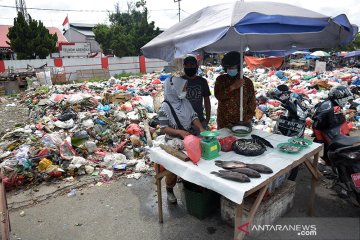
66 21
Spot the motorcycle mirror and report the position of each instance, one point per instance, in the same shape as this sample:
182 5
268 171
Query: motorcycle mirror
283 88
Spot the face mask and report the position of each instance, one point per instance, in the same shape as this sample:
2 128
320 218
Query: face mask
232 72
182 95
190 72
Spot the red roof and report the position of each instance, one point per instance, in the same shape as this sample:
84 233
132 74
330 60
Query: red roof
4 29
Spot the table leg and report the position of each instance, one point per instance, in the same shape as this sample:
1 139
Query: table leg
240 227
238 234
158 184
313 186
4 214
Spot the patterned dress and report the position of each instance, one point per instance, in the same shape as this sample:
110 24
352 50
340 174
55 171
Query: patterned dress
229 102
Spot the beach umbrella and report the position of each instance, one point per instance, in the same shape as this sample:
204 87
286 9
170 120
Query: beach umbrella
301 53
320 54
258 26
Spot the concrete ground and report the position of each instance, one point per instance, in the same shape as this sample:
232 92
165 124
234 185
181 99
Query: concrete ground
127 209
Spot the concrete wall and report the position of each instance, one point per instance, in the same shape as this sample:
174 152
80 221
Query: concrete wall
135 64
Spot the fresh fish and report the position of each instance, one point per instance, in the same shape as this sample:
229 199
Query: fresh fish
230 164
234 176
248 147
247 171
260 168
263 141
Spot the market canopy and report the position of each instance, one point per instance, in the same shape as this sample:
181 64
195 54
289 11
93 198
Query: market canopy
259 26
353 54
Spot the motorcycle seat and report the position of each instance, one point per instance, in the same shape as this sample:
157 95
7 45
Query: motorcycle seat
344 141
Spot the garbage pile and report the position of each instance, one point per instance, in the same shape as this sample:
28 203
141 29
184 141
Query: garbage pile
89 128
99 129
310 85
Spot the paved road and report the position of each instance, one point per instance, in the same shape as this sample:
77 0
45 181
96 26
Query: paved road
127 209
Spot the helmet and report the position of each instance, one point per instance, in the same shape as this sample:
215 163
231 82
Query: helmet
340 95
231 59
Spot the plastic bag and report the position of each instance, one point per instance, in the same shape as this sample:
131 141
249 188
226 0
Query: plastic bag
126 107
226 143
193 148
52 140
134 129
66 151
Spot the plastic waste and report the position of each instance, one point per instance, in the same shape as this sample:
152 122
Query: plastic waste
90 146
126 107
44 164
65 124
52 140
101 122
66 151
106 174
88 123
141 166
72 193
193 148
226 143
22 154
111 159
78 161
134 129
103 107
67 115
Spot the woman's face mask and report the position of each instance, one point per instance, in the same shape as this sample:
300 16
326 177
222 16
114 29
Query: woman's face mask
182 95
232 72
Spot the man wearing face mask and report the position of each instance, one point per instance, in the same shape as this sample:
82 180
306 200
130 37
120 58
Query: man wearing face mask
197 90
227 92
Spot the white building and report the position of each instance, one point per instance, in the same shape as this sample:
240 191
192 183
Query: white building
81 32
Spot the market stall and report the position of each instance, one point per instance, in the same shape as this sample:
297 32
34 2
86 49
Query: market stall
200 174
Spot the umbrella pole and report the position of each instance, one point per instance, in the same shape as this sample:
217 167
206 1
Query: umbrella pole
242 87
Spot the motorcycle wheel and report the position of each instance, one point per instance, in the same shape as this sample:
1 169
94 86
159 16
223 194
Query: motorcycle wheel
352 191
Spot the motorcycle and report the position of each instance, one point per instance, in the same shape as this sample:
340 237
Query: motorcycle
341 152
292 122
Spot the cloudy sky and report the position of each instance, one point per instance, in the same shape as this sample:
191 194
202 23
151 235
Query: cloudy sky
162 12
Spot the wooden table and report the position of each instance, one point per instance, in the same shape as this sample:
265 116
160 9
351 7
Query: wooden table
310 159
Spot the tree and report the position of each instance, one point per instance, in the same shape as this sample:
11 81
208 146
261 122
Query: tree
128 31
31 40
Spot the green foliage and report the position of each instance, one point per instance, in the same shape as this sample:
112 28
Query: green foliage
124 74
128 31
31 40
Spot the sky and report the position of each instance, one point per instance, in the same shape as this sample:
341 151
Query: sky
163 12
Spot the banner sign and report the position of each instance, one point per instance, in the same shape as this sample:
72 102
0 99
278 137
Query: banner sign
78 49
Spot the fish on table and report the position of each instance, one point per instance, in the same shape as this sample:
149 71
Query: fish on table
247 171
230 165
234 176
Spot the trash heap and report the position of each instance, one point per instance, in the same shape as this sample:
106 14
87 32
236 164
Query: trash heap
310 85
99 129
77 129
